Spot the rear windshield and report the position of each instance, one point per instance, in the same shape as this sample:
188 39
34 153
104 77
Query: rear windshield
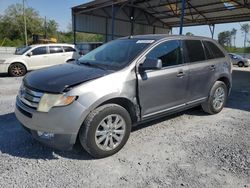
116 54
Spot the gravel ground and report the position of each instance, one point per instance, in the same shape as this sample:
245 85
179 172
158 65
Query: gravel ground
189 149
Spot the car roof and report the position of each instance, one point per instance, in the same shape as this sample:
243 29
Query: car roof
162 36
52 44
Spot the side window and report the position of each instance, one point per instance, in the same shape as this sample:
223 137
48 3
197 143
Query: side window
169 52
217 53
55 49
39 51
194 50
68 49
208 52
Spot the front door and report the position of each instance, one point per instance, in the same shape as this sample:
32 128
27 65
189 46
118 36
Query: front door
38 59
165 89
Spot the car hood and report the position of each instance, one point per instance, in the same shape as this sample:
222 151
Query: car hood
58 78
10 57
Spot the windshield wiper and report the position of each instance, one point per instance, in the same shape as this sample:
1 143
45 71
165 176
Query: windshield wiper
91 64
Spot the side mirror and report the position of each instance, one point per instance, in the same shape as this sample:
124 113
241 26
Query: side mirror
29 54
150 64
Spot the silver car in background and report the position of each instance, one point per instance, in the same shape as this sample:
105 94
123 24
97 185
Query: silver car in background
120 84
239 60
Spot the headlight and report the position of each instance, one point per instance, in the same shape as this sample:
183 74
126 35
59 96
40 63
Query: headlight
2 61
50 100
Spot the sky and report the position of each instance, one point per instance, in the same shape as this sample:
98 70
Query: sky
60 11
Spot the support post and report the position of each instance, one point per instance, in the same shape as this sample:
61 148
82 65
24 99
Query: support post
106 30
183 3
74 27
113 22
211 27
132 21
25 25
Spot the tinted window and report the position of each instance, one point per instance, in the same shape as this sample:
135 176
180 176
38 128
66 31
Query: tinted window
169 52
55 49
39 51
208 52
68 49
194 51
217 53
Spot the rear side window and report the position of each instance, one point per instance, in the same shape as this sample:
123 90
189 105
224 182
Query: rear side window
216 52
169 52
208 52
194 51
68 49
55 49
39 51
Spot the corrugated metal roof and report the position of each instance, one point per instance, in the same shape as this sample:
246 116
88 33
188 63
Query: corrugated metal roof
197 12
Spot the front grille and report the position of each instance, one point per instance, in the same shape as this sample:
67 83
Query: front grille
30 97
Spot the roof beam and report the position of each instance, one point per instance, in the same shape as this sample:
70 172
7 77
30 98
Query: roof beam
222 19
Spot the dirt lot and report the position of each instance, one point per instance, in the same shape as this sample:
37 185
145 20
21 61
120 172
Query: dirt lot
189 149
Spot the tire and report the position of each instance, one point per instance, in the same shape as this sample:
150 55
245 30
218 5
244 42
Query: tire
215 104
240 64
17 69
94 135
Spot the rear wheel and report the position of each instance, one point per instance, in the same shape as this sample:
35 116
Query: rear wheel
17 69
240 64
217 98
105 131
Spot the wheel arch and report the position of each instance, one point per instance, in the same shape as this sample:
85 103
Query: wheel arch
21 62
125 103
226 81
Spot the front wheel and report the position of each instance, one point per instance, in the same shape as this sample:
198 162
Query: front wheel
105 131
17 69
217 98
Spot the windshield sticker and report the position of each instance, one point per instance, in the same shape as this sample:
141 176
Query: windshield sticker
145 41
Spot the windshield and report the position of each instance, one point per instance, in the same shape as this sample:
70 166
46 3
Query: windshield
116 54
22 50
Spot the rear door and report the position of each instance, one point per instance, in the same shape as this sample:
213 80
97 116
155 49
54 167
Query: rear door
201 70
165 89
56 55
70 53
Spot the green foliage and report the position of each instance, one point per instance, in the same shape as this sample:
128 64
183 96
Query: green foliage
12 28
189 34
237 50
224 38
12 25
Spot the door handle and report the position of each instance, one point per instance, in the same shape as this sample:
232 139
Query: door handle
212 67
180 74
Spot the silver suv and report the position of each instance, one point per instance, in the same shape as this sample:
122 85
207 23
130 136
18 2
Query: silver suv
121 84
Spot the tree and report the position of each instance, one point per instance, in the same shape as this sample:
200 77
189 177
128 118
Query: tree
245 30
189 34
233 34
12 24
224 38
51 28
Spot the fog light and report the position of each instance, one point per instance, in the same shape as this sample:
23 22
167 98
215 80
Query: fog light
45 135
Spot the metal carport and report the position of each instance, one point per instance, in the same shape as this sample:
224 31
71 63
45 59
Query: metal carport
117 18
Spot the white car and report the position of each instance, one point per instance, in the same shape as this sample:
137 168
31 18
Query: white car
38 56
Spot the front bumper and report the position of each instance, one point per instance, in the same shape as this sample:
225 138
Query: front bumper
63 122
4 67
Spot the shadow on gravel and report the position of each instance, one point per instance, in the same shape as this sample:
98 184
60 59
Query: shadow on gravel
240 93
15 141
